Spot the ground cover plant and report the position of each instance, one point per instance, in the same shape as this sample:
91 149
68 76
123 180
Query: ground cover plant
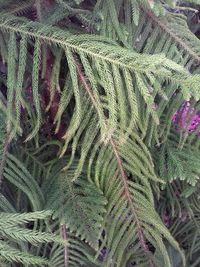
99 133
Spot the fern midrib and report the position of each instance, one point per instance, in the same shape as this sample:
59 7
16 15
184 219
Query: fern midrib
130 201
171 34
64 236
121 169
62 43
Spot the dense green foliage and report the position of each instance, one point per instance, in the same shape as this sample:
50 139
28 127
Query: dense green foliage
95 169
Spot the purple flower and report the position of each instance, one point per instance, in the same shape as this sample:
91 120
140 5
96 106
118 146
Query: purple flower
103 254
166 219
187 118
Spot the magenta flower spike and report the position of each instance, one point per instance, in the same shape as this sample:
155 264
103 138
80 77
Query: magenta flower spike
184 116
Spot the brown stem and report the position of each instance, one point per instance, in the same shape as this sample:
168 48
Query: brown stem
64 236
121 168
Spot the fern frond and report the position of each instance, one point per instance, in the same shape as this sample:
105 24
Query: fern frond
9 231
17 174
12 254
99 53
121 164
80 206
179 164
4 145
79 253
13 219
182 37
